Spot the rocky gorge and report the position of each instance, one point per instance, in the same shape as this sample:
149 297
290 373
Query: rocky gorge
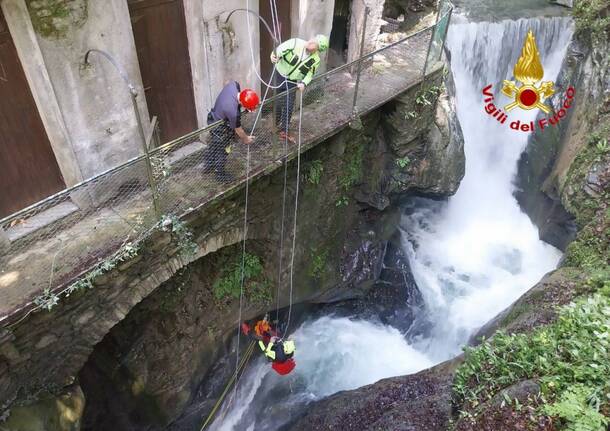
563 185
156 355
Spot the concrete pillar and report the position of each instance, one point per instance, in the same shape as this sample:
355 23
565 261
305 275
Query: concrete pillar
312 17
220 52
95 102
374 23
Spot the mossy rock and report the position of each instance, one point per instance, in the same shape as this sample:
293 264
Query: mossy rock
49 413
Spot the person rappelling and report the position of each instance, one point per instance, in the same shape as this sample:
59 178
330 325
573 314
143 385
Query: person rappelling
228 109
296 61
277 350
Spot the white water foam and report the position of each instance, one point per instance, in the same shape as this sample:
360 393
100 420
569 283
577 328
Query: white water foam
476 254
334 354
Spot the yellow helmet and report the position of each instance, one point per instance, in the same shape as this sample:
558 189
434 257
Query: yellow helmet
289 347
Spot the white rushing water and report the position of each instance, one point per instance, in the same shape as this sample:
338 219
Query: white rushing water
471 256
476 254
334 354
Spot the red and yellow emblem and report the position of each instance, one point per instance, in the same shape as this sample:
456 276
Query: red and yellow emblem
528 70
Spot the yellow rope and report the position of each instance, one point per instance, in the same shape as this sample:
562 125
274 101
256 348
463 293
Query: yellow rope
242 364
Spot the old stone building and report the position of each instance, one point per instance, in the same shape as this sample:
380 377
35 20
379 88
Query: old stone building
75 119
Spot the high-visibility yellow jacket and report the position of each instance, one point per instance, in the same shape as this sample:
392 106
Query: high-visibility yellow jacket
295 63
267 350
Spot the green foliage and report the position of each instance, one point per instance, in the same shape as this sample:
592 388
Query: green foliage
54 18
352 168
578 408
428 95
588 250
569 359
317 266
410 115
47 300
578 202
592 19
182 233
343 201
403 162
314 172
256 288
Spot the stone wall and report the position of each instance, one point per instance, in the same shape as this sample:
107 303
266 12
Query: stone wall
342 228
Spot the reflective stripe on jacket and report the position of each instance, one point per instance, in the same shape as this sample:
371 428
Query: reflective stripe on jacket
267 350
295 63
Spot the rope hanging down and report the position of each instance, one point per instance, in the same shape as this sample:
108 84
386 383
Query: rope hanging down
268 84
240 365
245 224
235 375
296 210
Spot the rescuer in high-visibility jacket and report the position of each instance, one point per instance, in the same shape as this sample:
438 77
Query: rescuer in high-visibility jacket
277 349
296 61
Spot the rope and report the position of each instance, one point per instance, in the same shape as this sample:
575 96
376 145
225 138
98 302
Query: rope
277 34
245 224
245 229
242 365
296 209
252 51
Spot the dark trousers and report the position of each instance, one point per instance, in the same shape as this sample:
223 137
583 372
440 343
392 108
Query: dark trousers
285 105
216 155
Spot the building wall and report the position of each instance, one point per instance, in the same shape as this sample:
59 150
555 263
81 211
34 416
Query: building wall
373 24
312 17
87 111
220 52
95 109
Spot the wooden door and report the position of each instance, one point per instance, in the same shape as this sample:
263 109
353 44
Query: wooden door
266 41
28 169
159 30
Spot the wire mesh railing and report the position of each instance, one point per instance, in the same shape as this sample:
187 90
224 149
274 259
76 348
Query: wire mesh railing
60 238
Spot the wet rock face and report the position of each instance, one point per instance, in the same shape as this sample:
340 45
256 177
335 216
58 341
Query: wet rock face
61 412
393 299
420 401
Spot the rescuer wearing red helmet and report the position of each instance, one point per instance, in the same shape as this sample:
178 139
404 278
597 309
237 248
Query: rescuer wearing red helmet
228 109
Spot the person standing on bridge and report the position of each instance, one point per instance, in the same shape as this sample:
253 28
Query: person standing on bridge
228 109
296 61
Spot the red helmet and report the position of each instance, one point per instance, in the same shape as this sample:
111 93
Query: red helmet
248 99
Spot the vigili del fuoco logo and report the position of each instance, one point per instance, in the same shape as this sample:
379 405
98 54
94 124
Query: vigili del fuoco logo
528 92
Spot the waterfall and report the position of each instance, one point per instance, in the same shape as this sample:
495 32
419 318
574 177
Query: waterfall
476 254
334 354
471 256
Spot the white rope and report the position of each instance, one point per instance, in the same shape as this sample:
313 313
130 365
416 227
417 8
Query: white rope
296 209
252 50
245 227
281 260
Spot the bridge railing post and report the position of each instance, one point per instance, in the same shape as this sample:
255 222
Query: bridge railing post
359 65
